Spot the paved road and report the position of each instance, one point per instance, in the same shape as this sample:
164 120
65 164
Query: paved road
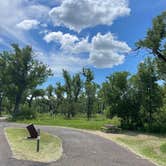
80 149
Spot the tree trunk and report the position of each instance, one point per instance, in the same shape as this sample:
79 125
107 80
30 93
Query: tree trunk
161 56
89 109
17 104
30 101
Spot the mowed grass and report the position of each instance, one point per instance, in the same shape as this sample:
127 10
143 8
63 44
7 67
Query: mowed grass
149 146
77 122
25 149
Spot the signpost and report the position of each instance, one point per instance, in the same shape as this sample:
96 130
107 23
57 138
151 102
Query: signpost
34 134
38 141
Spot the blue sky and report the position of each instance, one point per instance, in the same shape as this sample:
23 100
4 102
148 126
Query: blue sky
71 34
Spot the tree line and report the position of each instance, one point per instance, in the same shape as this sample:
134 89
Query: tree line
139 100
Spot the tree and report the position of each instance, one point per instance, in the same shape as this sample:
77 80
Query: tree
24 73
116 96
155 43
151 97
90 91
51 99
33 94
155 36
3 77
59 92
72 87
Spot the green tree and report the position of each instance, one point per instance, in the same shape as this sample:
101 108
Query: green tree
90 91
72 87
59 92
3 77
155 43
116 94
24 73
151 96
33 94
51 99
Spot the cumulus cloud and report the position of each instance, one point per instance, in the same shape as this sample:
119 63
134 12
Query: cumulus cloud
78 15
28 24
69 43
105 51
105 59
59 36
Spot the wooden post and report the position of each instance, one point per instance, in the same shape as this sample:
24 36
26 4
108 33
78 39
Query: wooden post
38 141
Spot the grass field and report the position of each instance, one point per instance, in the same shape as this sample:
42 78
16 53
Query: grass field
25 149
149 146
81 123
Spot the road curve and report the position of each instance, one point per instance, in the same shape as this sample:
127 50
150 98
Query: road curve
79 149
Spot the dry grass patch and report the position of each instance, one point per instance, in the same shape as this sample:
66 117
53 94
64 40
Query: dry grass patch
152 147
25 149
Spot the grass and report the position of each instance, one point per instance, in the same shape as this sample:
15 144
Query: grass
78 122
24 149
163 148
149 146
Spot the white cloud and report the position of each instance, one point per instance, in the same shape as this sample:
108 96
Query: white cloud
59 36
105 59
12 12
28 24
78 15
105 51
109 42
58 62
70 44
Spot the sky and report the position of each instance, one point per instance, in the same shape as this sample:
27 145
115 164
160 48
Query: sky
72 34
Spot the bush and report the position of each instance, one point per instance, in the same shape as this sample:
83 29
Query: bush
159 124
116 121
26 113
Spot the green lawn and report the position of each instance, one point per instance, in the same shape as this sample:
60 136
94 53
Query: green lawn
81 123
25 149
150 146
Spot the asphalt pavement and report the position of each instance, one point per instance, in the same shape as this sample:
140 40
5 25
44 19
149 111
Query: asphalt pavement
79 149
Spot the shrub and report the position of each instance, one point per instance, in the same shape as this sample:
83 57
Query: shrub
159 124
116 121
26 113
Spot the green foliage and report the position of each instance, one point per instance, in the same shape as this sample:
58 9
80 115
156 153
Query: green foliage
26 113
90 91
23 73
163 148
155 36
155 42
116 121
159 125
